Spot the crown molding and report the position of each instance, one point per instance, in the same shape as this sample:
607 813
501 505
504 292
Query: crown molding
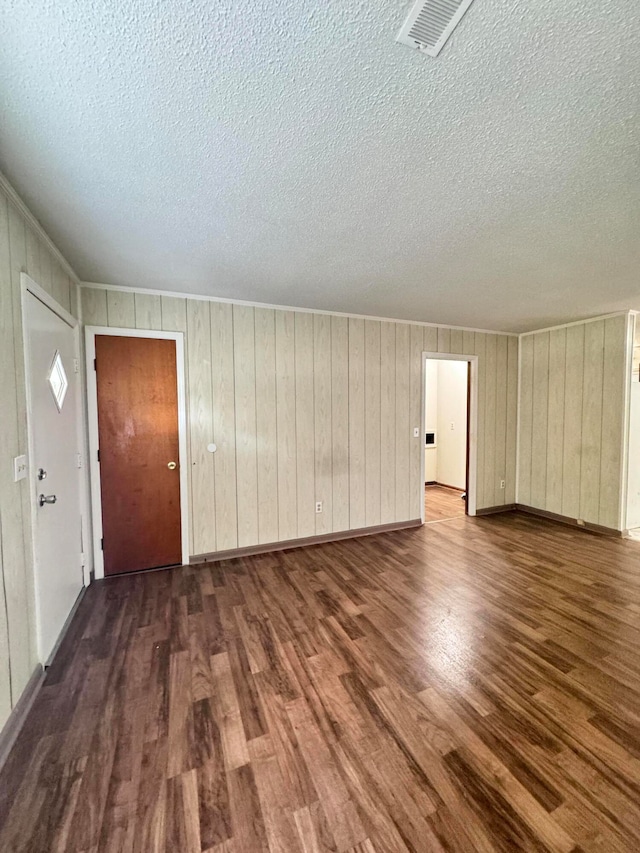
177 294
15 199
578 322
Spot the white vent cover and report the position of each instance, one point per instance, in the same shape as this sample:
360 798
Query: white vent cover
430 23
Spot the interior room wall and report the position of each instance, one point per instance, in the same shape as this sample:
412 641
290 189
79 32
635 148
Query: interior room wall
452 423
307 407
431 420
23 248
572 410
633 438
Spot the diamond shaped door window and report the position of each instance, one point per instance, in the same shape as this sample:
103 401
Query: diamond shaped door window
58 381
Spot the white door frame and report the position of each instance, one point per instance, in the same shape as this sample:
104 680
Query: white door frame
472 416
29 286
92 406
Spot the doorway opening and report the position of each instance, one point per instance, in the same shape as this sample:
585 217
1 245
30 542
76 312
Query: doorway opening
447 409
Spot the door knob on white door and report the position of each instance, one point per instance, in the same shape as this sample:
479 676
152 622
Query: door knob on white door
47 499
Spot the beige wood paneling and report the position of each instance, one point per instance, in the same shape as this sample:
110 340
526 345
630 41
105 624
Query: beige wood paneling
387 422
5 654
430 338
572 408
174 314
94 307
244 370
266 425
10 507
121 310
148 311
444 339
224 425
305 425
591 421
481 352
22 249
33 253
372 363
526 419
500 434
306 407
555 420
456 341
357 444
613 400
286 425
416 393
539 420
323 442
491 492
572 433
340 422
512 421
403 425
203 523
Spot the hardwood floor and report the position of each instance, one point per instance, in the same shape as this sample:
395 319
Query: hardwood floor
466 686
441 502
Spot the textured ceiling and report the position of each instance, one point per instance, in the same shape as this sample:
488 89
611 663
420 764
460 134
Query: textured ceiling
290 152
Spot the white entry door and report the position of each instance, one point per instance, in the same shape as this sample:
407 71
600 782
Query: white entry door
53 425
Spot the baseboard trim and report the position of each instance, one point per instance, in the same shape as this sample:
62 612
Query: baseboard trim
493 510
571 522
251 550
447 486
18 715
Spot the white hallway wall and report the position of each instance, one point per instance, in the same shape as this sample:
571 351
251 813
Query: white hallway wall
452 409
446 404
431 420
309 406
23 248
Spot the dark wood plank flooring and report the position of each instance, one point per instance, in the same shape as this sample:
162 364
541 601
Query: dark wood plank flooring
467 686
442 503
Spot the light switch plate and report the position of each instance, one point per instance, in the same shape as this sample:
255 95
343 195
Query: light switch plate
19 468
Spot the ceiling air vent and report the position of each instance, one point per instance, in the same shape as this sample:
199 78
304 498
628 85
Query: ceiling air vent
430 23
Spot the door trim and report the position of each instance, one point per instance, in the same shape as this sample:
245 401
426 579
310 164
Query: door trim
30 287
92 411
472 423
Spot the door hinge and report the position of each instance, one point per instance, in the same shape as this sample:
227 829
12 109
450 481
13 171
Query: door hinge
95 363
102 544
76 366
98 456
79 460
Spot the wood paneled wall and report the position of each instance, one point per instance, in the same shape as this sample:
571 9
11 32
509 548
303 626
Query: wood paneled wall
313 407
572 409
22 249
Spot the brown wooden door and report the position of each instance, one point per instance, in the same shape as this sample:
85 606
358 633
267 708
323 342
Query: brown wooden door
138 441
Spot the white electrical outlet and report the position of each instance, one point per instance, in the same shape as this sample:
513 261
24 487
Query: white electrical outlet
502 484
318 506
452 426
19 468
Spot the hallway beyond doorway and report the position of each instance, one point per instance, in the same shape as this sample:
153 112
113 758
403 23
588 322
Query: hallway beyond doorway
442 503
